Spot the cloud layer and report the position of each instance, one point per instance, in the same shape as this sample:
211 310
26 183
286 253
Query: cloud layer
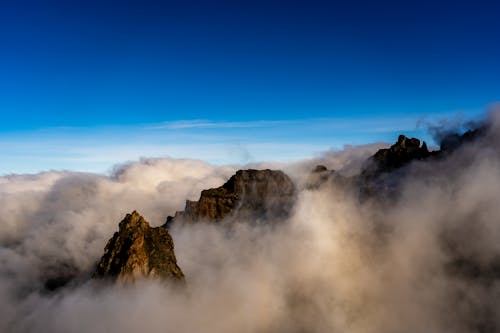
337 265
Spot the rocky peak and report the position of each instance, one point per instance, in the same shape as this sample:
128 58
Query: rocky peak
402 152
137 250
252 195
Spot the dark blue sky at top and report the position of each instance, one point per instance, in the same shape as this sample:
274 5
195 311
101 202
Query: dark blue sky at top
87 63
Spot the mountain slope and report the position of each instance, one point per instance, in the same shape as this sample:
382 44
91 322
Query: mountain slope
138 250
255 196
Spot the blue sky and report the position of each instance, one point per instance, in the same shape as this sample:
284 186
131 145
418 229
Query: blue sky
85 84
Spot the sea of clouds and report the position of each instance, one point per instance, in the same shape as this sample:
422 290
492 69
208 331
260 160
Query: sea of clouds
337 265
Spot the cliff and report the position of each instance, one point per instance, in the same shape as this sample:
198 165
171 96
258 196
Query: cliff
254 196
137 250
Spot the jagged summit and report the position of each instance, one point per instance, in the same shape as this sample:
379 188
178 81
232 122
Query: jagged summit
137 250
399 154
383 171
251 195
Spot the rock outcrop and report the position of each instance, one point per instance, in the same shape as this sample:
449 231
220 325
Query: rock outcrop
250 195
137 250
382 173
399 154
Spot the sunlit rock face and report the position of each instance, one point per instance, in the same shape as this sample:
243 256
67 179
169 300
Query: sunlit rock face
137 250
249 195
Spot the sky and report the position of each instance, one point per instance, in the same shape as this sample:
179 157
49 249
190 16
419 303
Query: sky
87 84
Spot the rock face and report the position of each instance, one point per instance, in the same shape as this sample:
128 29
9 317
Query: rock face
399 154
381 175
251 195
452 141
379 179
137 250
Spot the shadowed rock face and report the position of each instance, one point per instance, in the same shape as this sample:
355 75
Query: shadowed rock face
138 250
377 177
252 195
452 141
383 172
399 154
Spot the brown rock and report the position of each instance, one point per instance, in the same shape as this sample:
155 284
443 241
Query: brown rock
252 195
137 250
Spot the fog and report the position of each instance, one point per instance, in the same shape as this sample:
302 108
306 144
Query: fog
337 265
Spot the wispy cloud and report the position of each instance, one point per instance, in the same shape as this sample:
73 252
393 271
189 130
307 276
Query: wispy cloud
200 123
97 149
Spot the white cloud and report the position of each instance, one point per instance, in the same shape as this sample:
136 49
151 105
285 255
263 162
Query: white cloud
337 266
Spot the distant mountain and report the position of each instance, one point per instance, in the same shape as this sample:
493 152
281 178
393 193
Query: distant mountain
384 171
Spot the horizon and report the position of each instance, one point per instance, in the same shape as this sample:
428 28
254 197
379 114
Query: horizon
100 149
83 81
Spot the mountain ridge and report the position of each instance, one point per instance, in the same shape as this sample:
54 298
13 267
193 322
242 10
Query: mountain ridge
256 197
138 250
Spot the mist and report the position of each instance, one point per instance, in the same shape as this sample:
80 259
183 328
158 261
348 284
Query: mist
337 265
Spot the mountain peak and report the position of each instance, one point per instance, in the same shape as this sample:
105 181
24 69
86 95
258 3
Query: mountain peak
399 154
137 250
252 195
